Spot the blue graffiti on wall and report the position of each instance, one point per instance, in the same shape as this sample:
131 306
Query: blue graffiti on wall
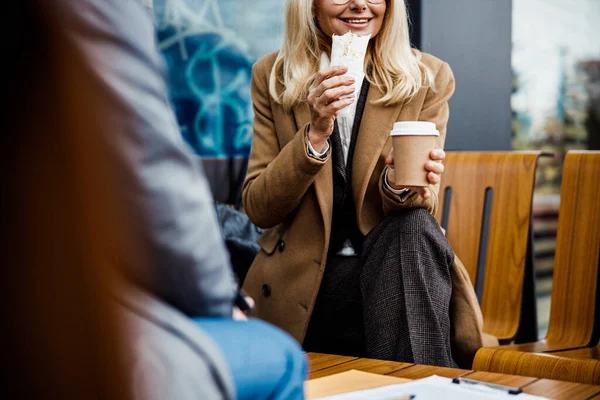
209 55
209 79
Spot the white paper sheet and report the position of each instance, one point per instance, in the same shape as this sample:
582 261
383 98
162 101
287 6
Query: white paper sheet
432 388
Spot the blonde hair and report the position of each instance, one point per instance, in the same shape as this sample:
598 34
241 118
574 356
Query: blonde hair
395 68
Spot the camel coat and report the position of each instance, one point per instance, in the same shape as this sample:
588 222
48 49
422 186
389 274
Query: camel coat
290 194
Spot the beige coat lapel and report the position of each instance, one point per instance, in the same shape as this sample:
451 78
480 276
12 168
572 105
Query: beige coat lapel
324 180
377 121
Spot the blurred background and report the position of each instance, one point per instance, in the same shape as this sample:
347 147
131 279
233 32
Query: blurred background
527 73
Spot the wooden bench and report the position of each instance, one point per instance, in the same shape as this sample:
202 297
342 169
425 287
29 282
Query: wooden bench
486 200
573 323
565 366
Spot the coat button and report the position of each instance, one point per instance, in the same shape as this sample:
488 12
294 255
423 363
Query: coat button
281 245
266 290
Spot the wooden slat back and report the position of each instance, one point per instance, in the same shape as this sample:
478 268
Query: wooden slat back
511 176
577 251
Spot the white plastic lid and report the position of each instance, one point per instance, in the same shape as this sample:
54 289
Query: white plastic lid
423 128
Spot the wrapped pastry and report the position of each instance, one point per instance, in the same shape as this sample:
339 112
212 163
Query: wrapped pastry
349 50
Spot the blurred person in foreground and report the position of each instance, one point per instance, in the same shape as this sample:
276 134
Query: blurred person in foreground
351 263
171 249
60 334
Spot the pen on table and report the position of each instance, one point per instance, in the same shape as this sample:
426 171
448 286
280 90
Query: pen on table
508 389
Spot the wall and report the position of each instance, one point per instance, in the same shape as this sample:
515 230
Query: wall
209 48
474 37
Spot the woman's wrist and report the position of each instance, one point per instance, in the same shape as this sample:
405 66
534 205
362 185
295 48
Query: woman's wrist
317 141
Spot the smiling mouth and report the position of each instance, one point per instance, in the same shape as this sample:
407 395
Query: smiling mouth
355 21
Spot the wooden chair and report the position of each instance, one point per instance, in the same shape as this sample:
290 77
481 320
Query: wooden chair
573 322
486 199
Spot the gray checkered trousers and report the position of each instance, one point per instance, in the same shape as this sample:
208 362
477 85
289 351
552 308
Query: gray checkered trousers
406 287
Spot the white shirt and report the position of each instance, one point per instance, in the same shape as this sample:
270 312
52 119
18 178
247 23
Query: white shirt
345 123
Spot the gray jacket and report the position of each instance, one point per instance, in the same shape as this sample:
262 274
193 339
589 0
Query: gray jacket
174 250
167 356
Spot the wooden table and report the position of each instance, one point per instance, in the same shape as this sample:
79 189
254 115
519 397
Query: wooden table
321 365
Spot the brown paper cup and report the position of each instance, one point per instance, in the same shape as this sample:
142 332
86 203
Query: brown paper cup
412 142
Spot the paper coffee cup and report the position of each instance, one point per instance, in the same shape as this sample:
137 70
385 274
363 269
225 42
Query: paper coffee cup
412 142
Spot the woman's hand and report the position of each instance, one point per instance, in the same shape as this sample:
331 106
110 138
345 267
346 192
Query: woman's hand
434 166
329 93
240 315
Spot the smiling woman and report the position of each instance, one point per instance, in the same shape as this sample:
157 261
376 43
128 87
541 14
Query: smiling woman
336 17
395 66
351 264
